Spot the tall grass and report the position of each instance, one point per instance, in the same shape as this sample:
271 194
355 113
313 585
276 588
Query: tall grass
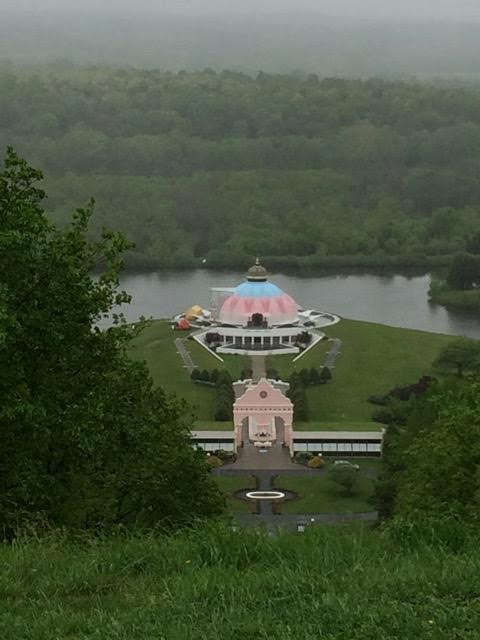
211 582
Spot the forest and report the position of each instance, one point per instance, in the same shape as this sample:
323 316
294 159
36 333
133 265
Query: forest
215 167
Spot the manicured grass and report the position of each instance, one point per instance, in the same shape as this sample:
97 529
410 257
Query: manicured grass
156 347
209 425
320 495
329 583
205 360
315 357
338 426
229 485
373 359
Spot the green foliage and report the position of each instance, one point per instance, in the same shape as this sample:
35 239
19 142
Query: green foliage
272 373
205 375
325 375
316 462
411 585
87 441
314 377
214 461
379 400
302 457
460 356
464 272
392 179
345 478
246 374
431 461
225 396
442 472
297 395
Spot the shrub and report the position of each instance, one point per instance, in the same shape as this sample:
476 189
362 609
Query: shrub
379 400
223 414
214 461
325 375
272 373
304 339
304 376
316 462
302 457
345 480
314 377
195 374
225 456
300 406
383 416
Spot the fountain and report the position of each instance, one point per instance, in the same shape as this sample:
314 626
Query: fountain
265 495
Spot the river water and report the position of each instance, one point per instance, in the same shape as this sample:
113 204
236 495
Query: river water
396 300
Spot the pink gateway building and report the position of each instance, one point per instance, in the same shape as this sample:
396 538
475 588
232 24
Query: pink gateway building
263 415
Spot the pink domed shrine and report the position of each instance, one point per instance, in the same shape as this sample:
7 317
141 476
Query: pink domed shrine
257 317
258 303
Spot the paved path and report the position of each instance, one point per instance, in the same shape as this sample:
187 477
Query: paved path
295 470
333 353
249 458
184 354
258 368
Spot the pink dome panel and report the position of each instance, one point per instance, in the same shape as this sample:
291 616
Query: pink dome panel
238 310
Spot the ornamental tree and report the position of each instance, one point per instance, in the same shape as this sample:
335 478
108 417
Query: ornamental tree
459 356
87 440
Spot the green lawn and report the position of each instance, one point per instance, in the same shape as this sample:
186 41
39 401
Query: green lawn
156 347
209 425
338 426
374 358
229 485
205 360
319 495
315 357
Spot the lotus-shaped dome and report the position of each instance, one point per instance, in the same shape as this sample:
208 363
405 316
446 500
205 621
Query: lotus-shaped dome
258 303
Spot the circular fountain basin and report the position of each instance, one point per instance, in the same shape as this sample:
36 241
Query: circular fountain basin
265 495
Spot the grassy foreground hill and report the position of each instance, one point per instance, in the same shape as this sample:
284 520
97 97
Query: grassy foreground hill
214 583
374 358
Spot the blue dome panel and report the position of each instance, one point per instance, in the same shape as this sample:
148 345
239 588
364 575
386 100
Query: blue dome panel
258 290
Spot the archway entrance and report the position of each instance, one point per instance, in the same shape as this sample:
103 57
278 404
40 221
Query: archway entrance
269 415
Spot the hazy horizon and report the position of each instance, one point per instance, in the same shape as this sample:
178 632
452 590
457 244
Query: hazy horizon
411 10
347 38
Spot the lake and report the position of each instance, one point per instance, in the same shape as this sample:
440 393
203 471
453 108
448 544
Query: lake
395 300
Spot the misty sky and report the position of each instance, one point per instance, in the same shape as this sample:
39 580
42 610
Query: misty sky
463 10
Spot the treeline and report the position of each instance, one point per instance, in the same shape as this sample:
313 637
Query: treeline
222 166
461 288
